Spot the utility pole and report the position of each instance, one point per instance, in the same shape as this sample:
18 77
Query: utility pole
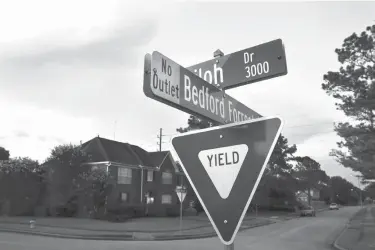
360 189
114 131
160 136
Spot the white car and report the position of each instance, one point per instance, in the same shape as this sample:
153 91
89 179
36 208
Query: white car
333 206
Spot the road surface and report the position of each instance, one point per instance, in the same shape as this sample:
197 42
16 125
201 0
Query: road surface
298 234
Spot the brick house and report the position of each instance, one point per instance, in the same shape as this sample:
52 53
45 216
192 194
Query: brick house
137 178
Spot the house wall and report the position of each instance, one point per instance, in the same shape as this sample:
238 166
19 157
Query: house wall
59 190
132 190
155 187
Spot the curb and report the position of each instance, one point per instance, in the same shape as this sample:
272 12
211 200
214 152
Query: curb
150 237
66 236
126 237
206 235
335 244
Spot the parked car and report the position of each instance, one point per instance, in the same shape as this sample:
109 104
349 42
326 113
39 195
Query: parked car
307 211
333 206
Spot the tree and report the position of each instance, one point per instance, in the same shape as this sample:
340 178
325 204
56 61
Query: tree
4 154
354 88
20 184
277 182
194 123
89 182
309 175
343 191
69 154
370 190
93 183
19 164
279 162
64 165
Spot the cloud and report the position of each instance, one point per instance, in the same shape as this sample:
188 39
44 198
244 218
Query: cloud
44 129
117 47
95 79
21 134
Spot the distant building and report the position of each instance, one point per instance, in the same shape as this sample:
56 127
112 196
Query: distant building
138 178
303 195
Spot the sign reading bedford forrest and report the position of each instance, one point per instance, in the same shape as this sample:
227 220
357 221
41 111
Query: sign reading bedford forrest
176 86
253 64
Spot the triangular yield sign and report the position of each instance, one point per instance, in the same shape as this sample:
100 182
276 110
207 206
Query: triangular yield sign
216 161
224 165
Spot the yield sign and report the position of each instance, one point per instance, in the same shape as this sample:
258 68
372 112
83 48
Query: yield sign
181 193
224 165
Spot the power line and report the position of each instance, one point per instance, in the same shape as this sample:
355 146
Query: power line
296 126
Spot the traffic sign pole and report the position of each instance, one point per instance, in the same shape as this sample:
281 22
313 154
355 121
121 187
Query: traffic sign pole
229 247
181 194
181 200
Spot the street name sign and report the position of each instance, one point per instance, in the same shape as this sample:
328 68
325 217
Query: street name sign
181 193
170 83
250 65
224 165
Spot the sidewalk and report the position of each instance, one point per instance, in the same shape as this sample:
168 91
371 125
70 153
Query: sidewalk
360 231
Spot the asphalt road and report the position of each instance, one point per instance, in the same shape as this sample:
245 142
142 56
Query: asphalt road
298 234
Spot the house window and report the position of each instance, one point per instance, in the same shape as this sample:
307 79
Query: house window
149 198
166 178
166 199
124 197
150 175
124 176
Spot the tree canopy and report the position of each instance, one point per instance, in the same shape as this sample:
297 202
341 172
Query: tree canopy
19 164
353 86
68 154
195 123
4 154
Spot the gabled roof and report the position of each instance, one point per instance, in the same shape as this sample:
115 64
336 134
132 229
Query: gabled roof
106 150
160 157
103 149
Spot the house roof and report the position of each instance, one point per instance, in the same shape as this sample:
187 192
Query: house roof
160 156
106 150
103 149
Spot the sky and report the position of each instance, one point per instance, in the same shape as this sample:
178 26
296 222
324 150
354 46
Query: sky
72 70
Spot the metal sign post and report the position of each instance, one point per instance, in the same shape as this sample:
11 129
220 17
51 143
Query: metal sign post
229 247
181 193
223 164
